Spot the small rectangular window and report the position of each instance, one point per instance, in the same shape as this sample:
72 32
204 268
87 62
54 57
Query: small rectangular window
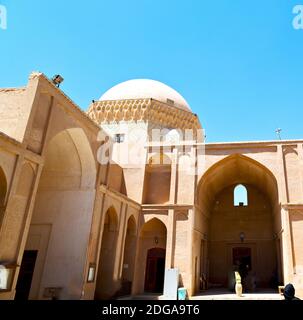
169 101
119 137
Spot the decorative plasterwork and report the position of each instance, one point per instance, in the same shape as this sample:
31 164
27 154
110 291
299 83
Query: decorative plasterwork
148 110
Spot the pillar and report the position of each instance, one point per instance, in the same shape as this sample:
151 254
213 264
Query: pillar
170 239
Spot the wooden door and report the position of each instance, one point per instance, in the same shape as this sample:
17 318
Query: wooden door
155 269
26 274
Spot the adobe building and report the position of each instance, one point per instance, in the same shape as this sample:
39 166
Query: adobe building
81 220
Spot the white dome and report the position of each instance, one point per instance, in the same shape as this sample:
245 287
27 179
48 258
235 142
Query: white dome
146 89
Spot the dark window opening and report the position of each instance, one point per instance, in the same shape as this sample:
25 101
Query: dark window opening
119 137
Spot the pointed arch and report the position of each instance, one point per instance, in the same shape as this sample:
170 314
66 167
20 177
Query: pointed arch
153 223
69 156
149 273
25 180
233 170
132 225
227 226
106 285
111 219
64 204
128 266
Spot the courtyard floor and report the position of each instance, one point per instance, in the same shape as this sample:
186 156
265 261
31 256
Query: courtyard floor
222 294
217 294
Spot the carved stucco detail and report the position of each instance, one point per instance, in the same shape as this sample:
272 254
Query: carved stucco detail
142 110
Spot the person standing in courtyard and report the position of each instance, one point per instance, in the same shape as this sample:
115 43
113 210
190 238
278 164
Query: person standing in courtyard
289 293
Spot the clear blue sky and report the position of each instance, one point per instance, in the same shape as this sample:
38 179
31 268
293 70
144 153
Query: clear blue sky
239 64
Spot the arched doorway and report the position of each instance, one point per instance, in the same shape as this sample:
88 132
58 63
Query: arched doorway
240 197
59 232
150 263
106 284
155 268
129 256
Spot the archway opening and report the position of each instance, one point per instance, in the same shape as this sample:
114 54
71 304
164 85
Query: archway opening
150 264
240 198
155 268
105 284
129 257
60 226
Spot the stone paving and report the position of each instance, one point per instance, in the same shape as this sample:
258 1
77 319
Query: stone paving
216 294
219 294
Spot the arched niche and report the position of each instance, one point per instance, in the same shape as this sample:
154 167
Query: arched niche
150 269
157 180
229 227
107 284
62 215
129 256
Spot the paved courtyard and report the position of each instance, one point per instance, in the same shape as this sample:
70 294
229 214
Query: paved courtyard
217 294
221 294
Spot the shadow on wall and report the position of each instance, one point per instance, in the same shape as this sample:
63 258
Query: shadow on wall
157 180
107 284
64 201
116 179
3 190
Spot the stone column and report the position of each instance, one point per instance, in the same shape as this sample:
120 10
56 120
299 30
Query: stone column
287 258
173 180
135 285
16 221
94 246
170 239
190 271
282 185
124 231
120 244
288 266
300 154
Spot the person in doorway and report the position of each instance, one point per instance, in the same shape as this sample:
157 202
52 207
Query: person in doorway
243 270
274 280
253 281
289 293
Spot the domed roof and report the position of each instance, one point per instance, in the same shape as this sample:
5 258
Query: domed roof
146 89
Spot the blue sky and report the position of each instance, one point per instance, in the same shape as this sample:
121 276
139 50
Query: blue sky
239 64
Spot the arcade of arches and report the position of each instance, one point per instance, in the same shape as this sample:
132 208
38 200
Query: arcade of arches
73 226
